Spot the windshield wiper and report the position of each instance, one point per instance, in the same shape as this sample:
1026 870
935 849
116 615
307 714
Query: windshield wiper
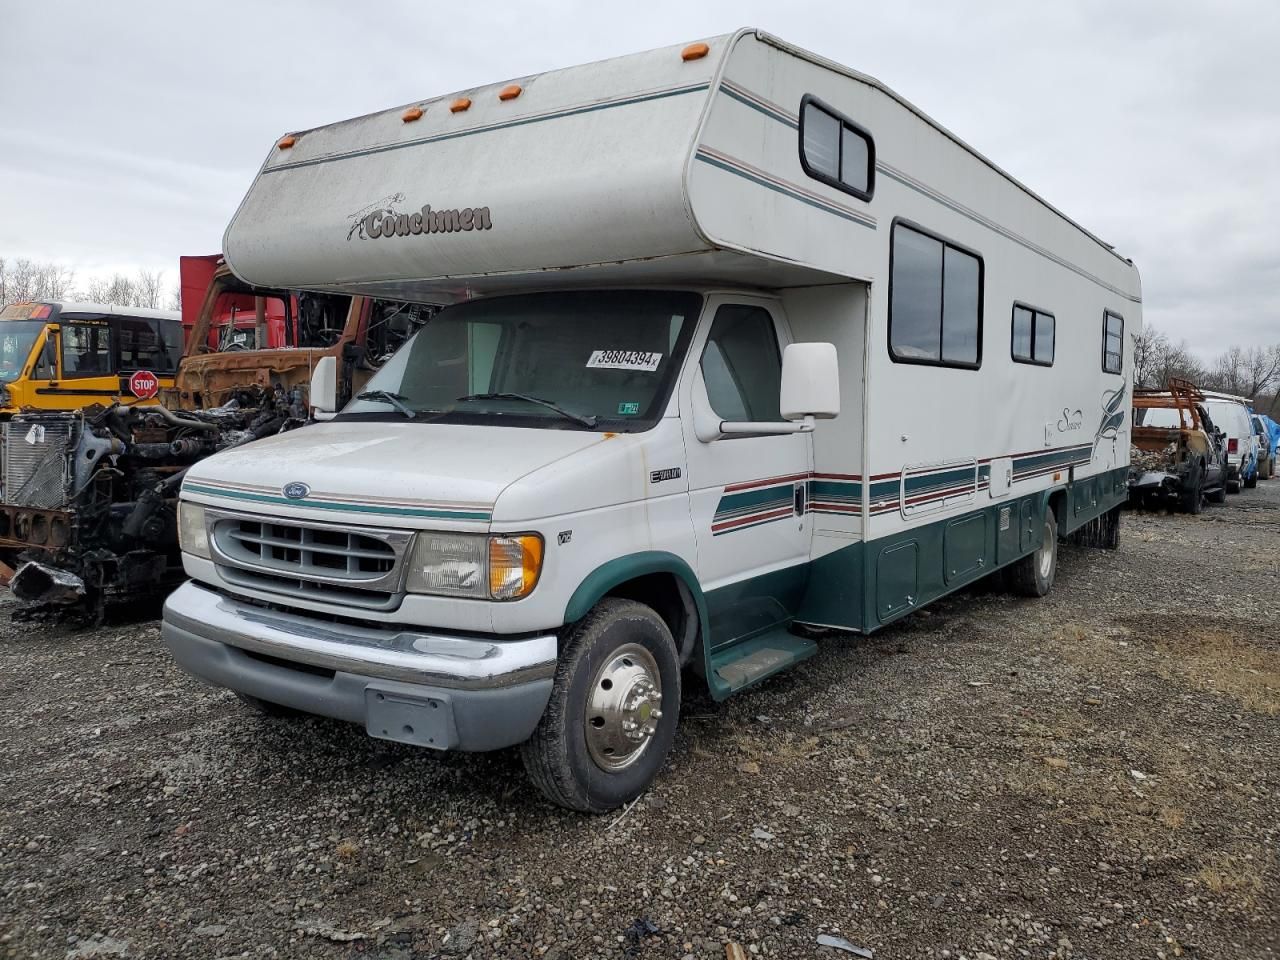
394 399
588 421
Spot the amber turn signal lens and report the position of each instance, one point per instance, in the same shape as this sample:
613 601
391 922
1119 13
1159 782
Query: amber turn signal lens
510 92
412 114
694 51
514 565
462 103
287 142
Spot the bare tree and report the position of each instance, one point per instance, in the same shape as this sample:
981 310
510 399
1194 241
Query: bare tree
175 297
116 290
148 289
24 279
1156 359
1246 373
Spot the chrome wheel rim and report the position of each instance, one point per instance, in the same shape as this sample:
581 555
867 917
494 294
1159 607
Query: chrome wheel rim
1046 552
623 708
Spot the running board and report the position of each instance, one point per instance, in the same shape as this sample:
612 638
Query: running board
748 662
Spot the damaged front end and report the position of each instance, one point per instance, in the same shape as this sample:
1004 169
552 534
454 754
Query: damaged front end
88 504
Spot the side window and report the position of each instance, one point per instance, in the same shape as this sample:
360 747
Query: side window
86 350
1033 336
836 150
935 301
148 344
742 365
46 367
1112 342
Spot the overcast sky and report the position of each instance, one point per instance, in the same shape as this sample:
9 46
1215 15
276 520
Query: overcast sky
129 131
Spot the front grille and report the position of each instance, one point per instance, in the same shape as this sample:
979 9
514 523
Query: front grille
37 460
308 551
343 565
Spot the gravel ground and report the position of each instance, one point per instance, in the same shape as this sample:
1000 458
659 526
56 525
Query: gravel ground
1096 774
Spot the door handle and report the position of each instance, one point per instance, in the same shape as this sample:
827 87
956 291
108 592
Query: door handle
799 499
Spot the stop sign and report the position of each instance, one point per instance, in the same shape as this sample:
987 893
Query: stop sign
144 384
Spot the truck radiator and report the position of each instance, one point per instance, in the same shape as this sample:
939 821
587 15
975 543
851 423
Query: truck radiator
37 460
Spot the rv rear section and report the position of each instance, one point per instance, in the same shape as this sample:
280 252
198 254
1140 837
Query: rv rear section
736 344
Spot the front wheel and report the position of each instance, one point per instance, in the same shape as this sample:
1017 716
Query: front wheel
1252 481
612 716
1193 498
1032 576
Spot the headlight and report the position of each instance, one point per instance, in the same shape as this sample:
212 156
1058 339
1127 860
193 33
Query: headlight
473 565
193 536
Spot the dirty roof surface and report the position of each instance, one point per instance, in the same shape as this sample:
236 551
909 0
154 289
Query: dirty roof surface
1091 775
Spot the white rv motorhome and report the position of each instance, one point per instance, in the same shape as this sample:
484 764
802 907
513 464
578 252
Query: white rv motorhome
739 341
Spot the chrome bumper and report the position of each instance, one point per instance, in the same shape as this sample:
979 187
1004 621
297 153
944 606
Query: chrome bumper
433 690
454 662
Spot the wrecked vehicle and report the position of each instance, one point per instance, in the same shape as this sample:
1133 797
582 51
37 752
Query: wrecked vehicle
87 514
1178 456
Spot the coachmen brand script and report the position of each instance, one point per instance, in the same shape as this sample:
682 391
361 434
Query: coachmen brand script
388 223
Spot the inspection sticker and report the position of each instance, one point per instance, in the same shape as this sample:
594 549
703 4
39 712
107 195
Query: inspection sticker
624 360
628 409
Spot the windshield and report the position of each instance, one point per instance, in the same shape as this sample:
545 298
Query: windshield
588 360
16 339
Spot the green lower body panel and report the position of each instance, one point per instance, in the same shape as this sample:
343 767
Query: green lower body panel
864 586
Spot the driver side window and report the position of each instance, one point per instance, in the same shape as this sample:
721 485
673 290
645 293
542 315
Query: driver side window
742 365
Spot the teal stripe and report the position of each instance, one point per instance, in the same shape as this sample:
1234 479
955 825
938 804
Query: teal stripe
1023 464
344 507
755 498
507 125
759 107
747 175
835 490
931 481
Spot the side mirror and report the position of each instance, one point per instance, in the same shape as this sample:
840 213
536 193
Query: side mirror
810 382
810 391
324 385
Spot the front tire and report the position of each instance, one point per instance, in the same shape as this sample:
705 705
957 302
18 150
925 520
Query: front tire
1193 500
612 716
1032 576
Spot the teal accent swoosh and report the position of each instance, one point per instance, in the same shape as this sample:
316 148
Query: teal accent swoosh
315 504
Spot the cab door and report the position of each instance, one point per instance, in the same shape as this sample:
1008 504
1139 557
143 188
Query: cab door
748 493
86 363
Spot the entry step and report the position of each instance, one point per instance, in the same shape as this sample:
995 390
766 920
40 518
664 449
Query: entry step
752 660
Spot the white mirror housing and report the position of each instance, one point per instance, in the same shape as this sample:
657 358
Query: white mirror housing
810 381
324 385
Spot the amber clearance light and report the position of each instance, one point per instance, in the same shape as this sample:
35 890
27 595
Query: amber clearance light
459 105
510 92
694 51
412 114
287 142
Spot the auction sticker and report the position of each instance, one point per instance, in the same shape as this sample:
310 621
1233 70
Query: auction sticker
624 360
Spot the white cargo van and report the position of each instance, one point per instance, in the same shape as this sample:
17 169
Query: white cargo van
739 341
1231 414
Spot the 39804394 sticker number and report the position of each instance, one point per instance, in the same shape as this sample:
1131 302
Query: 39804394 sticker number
624 360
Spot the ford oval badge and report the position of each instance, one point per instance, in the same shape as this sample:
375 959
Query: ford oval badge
296 490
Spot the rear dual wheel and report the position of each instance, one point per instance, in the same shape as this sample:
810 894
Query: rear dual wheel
613 711
1033 575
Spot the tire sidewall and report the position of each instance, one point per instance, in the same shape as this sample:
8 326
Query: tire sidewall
636 624
1044 583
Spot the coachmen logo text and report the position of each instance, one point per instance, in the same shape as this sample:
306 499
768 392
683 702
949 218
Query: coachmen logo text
387 223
